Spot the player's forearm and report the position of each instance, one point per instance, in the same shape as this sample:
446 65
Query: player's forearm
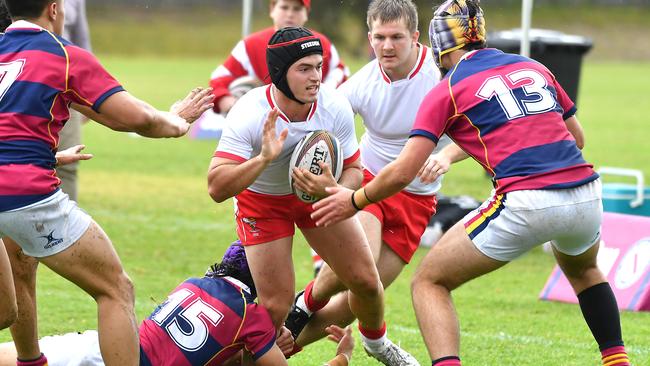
228 180
351 177
453 153
339 360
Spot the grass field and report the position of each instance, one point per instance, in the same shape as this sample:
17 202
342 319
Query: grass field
150 196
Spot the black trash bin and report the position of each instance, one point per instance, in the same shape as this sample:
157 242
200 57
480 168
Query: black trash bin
561 53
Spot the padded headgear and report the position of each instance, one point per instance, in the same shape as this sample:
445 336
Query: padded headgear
287 46
234 264
455 24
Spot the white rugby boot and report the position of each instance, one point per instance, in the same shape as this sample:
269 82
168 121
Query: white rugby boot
391 354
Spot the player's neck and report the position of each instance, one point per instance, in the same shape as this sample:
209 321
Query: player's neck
41 22
296 112
403 71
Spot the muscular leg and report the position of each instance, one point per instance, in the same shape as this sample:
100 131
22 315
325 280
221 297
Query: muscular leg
93 265
271 265
338 310
25 330
453 261
582 270
7 292
345 248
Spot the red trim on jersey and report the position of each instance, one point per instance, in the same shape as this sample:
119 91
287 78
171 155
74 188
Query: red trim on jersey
383 73
282 44
423 56
272 104
352 158
225 155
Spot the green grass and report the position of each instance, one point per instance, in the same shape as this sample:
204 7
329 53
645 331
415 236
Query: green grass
150 196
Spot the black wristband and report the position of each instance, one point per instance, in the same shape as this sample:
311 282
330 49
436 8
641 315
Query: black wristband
366 195
354 204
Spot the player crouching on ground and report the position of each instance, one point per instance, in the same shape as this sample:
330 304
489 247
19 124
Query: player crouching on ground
251 163
222 319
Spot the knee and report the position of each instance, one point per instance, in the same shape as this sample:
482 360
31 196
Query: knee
121 290
426 278
278 308
8 315
367 286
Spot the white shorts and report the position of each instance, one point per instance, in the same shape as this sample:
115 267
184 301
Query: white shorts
508 225
46 227
72 349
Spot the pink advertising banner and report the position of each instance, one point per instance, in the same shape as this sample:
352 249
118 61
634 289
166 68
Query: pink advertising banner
624 257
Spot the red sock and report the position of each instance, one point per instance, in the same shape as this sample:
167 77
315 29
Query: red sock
447 361
373 333
615 356
41 361
312 304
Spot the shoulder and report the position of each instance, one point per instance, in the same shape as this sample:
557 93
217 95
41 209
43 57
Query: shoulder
332 99
323 38
249 109
258 37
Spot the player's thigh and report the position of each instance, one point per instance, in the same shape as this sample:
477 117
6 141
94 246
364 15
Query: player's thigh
7 291
92 264
455 260
346 250
23 266
581 270
372 227
389 265
271 266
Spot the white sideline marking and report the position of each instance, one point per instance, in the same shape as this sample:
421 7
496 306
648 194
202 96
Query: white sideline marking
546 342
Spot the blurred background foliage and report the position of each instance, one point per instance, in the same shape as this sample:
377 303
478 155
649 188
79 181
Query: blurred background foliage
210 28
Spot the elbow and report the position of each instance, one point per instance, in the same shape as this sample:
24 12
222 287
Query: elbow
217 195
580 143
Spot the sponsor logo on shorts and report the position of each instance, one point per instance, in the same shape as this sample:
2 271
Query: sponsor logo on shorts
252 223
51 240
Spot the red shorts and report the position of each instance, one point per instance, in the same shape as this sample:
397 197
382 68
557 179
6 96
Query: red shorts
262 218
403 217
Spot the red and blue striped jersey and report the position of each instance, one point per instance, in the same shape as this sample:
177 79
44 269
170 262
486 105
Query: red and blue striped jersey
507 112
205 322
40 75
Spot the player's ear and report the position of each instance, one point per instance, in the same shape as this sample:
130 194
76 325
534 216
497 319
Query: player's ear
52 10
416 36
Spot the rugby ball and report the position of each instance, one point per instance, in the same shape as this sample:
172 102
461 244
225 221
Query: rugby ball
317 146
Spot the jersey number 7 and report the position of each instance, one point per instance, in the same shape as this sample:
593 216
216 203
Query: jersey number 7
9 72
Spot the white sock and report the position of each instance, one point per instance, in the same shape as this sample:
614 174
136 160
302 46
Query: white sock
374 344
303 305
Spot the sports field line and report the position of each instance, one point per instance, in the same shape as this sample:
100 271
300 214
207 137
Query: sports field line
541 341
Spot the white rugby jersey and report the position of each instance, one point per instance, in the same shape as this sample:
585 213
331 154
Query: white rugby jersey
242 134
388 110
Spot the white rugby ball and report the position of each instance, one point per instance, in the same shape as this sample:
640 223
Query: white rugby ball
317 146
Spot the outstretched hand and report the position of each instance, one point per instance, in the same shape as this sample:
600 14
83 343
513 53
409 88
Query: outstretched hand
194 104
271 142
71 155
344 339
435 166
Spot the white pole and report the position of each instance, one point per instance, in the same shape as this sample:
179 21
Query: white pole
247 15
526 17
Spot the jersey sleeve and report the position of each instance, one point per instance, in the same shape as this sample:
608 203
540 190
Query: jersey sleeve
236 139
564 100
88 82
258 332
434 114
346 133
224 75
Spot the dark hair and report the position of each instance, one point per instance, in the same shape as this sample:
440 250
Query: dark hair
5 19
475 46
27 9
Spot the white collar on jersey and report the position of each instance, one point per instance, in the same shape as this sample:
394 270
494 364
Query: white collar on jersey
422 55
238 283
23 24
